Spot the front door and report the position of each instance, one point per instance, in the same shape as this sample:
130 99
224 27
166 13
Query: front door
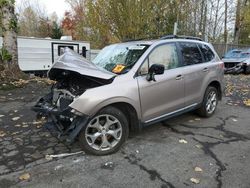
165 95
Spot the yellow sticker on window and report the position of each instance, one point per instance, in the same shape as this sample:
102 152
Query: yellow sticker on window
118 68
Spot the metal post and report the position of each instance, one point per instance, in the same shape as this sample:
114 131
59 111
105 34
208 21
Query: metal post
175 28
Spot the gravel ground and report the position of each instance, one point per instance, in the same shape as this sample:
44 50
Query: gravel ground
187 151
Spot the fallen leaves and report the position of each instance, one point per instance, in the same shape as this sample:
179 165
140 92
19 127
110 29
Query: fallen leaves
182 141
15 118
238 89
198 146
234 120
2 133
1 116
20 83
25 176
198 169
247 102
195 180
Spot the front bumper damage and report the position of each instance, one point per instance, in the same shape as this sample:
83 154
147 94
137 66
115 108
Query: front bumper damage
62 122
236 69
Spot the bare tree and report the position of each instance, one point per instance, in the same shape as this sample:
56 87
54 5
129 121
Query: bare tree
237 22
225 22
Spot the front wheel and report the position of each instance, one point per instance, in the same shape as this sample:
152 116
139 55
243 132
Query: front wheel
209 102
105 132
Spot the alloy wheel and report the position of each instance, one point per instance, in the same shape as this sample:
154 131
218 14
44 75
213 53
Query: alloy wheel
103 132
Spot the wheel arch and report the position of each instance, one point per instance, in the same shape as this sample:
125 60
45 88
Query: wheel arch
130 112
216 84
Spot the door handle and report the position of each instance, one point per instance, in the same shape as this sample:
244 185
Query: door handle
205 69
179 77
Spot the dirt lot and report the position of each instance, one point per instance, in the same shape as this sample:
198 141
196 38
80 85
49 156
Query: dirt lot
182 152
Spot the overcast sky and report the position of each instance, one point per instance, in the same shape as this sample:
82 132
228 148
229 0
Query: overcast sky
58 6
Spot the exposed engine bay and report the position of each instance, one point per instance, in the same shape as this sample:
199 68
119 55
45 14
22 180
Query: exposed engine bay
55 105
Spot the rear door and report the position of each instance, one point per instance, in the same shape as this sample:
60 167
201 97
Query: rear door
166 94
196 71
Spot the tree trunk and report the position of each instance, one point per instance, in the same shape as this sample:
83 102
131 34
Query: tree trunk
216 19
225 23
237 22
204 27
9 32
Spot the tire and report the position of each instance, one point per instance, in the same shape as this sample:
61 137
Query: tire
247 70
212 95
105 132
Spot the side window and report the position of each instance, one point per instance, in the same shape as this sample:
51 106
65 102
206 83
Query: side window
144 68
207 52
190 53
166 55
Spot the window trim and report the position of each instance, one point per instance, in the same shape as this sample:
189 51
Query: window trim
204 61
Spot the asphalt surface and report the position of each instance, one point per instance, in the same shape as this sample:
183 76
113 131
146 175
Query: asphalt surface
186 151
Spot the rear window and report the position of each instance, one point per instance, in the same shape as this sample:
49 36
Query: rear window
190 53
206 52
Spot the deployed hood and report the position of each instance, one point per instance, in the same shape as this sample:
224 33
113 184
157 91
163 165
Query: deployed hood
72 61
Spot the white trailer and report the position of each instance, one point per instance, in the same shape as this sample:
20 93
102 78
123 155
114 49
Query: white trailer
36 55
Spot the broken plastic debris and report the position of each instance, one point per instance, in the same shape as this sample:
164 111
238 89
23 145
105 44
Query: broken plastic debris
198 169
195 180
58 167
50 157
182 141
25 176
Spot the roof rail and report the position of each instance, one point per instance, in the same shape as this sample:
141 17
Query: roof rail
180 37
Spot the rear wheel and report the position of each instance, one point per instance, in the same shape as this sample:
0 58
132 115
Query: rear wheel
105 132
209 102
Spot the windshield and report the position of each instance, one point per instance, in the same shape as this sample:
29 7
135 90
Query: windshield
233 54
119 58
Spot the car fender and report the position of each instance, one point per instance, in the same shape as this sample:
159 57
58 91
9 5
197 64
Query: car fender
92 100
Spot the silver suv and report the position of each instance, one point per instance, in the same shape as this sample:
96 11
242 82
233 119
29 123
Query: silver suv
128 86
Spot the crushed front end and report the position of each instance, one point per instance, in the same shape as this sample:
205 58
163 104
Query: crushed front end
73 75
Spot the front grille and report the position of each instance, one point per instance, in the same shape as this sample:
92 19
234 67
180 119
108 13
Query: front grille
231 64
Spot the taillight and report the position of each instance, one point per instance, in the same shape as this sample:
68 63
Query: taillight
221 65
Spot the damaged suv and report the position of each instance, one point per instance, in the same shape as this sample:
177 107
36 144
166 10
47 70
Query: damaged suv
128 86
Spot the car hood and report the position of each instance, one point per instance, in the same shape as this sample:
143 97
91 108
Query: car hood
233 60
72 61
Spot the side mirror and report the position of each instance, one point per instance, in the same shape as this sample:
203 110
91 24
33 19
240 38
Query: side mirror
155 69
